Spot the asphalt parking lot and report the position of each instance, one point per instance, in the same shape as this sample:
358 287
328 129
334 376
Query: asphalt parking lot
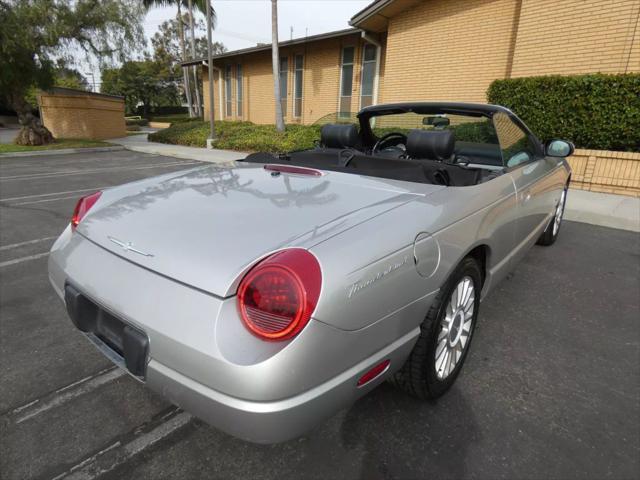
551 388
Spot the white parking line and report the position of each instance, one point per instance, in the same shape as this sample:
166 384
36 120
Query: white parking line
22 244
116 454
43 201
65 394
95 170
23 259
51 194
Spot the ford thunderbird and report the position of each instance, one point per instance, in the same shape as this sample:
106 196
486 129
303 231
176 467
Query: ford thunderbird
265 295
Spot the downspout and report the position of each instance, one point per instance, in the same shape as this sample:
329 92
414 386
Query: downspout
219 89
368 38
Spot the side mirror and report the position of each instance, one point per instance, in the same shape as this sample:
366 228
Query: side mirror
559 148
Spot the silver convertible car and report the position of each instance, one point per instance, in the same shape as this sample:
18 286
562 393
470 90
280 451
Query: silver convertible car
266 295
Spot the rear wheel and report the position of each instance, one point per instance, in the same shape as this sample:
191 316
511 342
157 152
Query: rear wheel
550 235
445 335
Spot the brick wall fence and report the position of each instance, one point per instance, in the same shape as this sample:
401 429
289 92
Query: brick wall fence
69 113
606 171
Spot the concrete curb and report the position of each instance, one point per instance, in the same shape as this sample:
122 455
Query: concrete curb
137 144
62 151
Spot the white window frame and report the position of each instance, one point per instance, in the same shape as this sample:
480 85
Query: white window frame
228 94
295 85
342 64
239 91
376 63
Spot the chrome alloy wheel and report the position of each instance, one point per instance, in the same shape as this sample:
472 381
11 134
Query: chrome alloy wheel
559 211
455 328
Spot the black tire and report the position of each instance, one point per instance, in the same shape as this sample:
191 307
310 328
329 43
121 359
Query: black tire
550 234
418 376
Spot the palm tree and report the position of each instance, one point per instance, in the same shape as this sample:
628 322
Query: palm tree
193 55
201 6
275 60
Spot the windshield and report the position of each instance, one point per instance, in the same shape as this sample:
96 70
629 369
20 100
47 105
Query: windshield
475 136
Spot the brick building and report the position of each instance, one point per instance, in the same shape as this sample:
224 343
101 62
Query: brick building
402 50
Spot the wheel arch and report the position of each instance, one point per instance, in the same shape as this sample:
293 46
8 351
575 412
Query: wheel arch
481 253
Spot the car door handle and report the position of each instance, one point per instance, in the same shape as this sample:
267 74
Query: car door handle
526 196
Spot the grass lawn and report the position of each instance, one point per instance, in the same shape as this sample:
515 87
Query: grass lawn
56 145
240 136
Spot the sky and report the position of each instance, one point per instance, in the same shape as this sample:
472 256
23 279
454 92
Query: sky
243 23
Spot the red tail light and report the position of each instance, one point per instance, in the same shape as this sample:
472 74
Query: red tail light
82 208
277 297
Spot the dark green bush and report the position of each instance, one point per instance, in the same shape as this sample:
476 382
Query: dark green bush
141 122
241 136
479 132
164 110
595 111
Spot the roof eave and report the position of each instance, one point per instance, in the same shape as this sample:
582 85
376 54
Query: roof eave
266 47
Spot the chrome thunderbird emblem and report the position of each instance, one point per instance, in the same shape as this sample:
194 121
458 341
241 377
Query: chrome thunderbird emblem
128 246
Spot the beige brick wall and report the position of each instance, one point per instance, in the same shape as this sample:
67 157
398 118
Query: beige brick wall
577 36
606 172
448 50
321 82
82 115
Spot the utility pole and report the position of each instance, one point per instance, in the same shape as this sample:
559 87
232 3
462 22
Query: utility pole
275 60
212 130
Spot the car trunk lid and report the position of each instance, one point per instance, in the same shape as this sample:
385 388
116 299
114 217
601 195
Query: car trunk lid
204 227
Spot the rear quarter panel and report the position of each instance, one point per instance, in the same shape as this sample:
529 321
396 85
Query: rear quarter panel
370 271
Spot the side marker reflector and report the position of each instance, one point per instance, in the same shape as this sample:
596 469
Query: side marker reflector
374 373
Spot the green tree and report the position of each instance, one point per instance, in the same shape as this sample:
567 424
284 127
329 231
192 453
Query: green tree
201 5
140 82
34 33
166 49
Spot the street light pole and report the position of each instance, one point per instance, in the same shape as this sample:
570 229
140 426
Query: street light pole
212 131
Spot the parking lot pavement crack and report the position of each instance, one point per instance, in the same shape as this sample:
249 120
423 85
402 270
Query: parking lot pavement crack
127 447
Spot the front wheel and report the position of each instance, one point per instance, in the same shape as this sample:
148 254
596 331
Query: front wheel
550 235
445 335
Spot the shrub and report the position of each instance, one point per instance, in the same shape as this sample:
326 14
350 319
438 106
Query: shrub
594 111
164 110
242 136
142 122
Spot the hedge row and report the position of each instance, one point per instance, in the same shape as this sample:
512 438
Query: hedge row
595 111
241 136
161 110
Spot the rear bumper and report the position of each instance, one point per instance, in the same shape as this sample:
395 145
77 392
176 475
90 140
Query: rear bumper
201 357
277 421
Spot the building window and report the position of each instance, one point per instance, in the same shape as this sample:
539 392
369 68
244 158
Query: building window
346 81
284 69
227 89
368 75
297 94
239 92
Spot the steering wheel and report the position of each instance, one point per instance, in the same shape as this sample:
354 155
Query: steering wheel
385 139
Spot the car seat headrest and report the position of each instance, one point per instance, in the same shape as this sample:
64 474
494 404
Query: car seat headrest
431 144
334 135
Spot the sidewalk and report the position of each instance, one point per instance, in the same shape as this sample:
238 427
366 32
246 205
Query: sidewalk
140 143
604 209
